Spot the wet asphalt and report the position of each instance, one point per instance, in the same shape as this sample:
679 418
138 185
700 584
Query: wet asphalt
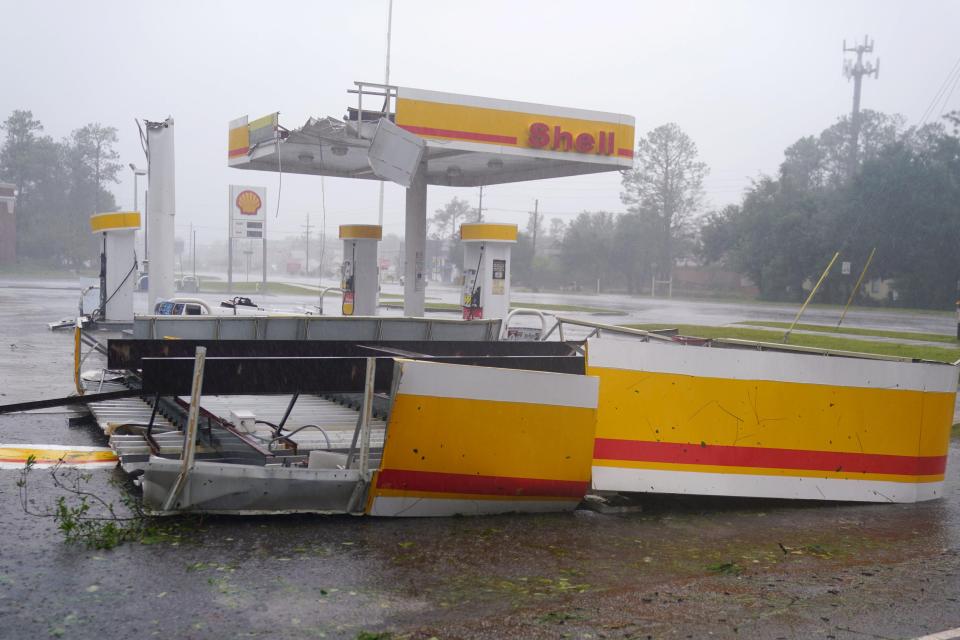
683 568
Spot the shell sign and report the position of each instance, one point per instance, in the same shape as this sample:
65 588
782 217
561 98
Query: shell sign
248 211
249 203
507 127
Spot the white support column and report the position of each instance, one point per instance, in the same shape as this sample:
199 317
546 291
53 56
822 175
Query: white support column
161 209
415 245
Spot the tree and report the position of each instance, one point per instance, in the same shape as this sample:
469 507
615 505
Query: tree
904 203
445 224
585 251
34 163
632 247
953 118
18 161
535 232
901 201
667 187
61 184
877 130
446 220
95 158
719 234
557 229
535 227
803 166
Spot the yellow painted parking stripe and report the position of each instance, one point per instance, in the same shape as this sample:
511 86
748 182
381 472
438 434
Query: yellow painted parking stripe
52 454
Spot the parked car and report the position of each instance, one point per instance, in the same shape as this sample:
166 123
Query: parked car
188 283
181 307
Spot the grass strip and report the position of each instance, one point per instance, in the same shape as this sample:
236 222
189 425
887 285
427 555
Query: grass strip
565 307
923 352
256 287
446 306
880 333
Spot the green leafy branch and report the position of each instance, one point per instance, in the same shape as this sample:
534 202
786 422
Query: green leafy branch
85 517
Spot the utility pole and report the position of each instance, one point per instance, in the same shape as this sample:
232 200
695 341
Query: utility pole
536 223
136 174
533 257
308 226
480 208
857 70
193 238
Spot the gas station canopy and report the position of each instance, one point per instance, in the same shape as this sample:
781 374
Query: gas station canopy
463 140
417 138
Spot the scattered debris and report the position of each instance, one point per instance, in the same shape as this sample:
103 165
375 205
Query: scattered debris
611 504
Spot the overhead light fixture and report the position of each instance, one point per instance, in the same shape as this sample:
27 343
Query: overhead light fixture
495 163
305 157
339 150
454 172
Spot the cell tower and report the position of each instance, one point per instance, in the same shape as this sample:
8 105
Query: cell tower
857 70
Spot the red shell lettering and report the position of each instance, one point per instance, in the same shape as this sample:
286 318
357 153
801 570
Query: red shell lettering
539 135
584 143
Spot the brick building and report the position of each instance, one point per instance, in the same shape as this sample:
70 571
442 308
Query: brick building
8 224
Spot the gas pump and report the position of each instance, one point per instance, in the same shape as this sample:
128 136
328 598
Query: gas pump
486 269
358 273
118 263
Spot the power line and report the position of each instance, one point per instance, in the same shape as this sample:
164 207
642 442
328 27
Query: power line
943 87
943 105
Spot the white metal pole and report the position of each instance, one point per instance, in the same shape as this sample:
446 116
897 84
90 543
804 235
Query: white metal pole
136 206
190 437
230 242
366 413
162 210
146 232
415 245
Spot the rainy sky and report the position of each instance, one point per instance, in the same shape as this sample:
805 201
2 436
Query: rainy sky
743 79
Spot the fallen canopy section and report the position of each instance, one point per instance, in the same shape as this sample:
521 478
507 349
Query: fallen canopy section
742 422
459 440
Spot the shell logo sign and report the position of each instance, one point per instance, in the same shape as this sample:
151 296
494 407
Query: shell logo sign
248 208
249 203
507 127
